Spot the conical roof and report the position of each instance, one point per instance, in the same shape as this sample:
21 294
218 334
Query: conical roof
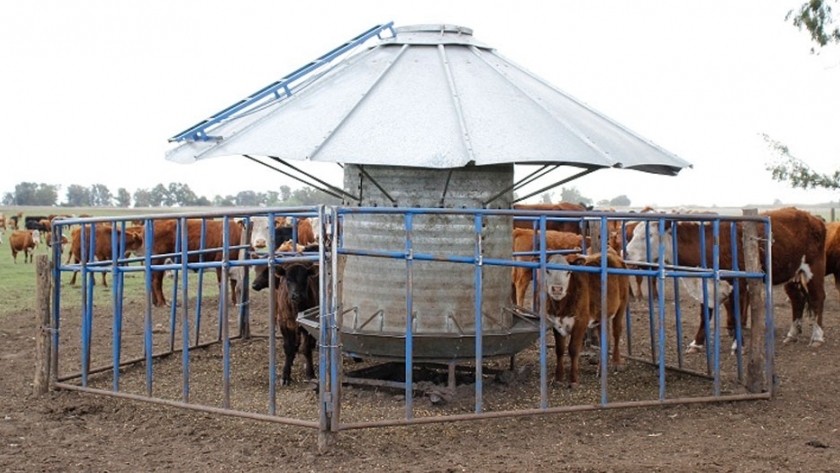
430 96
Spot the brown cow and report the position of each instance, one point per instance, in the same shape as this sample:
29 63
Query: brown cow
164 242
523 241
102 245
562 226
832 252
574 304
2 221
25 241
799 262
14 219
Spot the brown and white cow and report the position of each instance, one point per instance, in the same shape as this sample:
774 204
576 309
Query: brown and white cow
165 237
102 250
832 252
574 305
523 241
24 241
799 262
260 236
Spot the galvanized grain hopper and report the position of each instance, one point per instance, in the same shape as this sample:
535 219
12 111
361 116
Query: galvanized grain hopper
425 117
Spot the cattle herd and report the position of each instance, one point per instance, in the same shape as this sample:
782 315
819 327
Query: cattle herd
804 249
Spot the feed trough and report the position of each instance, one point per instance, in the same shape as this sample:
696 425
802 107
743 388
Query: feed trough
427 117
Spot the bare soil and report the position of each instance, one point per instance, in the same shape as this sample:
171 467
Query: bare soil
69 431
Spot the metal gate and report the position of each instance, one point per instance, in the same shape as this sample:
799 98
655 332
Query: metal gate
115 342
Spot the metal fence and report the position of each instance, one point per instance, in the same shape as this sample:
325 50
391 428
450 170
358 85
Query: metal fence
100 346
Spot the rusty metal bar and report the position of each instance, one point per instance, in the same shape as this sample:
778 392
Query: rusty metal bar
195 407
132 361
555 410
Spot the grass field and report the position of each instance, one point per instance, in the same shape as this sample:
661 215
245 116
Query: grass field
19 280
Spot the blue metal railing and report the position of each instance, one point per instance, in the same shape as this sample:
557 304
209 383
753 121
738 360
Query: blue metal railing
277 90
329 370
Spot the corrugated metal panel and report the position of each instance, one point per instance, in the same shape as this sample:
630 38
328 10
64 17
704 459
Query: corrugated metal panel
432 97
443 293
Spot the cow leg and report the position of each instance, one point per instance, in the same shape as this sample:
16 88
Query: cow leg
575 347
816 299
308 345
559 371
104 282
158 300
290 348
522 282
700 337
617 327
797 304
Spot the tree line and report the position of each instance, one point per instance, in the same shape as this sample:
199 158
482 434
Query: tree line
176 194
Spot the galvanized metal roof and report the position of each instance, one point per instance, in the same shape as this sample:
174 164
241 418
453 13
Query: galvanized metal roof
430 96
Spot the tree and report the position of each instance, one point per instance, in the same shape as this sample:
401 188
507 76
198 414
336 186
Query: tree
181 194
285 193
247 199
620 201
160 196
545 198
142 198
101 195
816 16
574 196
78 196
30 193
788 168
123 198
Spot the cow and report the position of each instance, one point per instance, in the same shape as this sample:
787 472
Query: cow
832 252
296 290
102 250
799 262
636 288
165 237
62 241
260 281
2 221
574 305
35 223
523 241
260 236
26 241
563 226
14 219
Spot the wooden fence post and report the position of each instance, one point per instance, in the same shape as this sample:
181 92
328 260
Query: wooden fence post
43 345
756 363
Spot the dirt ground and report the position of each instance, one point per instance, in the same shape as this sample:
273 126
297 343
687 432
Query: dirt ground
70 431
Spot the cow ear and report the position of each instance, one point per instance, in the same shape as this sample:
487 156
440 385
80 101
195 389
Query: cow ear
280 270
314 270
578 260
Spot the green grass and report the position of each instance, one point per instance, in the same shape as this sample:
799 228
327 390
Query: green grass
18 281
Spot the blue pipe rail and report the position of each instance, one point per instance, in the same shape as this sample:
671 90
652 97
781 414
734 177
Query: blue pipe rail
329 369
277 90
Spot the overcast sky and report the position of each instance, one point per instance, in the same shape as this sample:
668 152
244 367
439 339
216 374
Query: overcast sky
92 90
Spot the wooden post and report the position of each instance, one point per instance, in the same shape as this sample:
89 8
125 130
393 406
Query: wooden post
243 295
594 236
756 382
43 344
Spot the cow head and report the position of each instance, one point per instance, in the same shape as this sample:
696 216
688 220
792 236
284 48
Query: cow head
557 280
36 236
297 280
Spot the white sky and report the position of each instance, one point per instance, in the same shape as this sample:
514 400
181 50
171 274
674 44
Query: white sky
92 90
